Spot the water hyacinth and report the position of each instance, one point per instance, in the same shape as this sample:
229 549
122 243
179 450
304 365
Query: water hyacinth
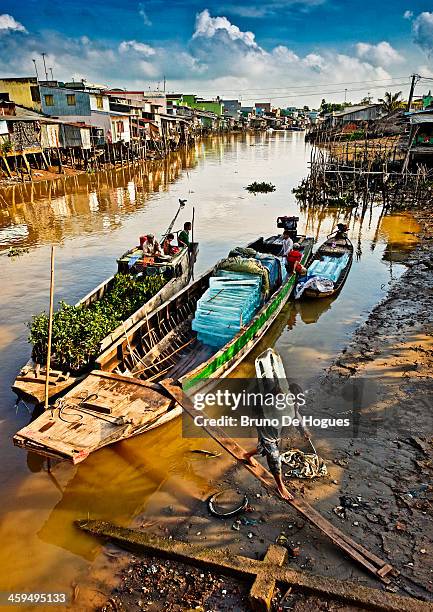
79 330
262 187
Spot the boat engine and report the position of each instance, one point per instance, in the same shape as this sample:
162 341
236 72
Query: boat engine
290 224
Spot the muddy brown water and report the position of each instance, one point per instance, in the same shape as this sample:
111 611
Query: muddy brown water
92 220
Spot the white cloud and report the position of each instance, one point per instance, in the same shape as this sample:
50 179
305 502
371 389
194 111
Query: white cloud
207 27
139 47
144 15
382 54
220 58
422 29
425 71
315 62
7 22
408 15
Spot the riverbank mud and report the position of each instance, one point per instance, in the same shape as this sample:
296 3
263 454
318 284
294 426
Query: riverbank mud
378 487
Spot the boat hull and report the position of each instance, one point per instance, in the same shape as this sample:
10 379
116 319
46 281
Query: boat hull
30 383
232 354
341 245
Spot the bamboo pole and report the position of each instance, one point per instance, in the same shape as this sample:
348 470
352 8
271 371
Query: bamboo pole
50 329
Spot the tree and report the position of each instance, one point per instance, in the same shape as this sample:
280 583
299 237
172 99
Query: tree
391 101
329 107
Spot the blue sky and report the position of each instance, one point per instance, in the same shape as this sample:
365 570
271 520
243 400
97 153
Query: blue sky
300 49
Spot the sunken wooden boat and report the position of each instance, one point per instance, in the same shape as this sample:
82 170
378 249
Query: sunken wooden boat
329 267
162 345
102 409
176 271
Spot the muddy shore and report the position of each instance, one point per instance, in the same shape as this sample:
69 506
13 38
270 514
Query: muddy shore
378 489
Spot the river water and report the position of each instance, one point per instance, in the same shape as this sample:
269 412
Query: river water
92 220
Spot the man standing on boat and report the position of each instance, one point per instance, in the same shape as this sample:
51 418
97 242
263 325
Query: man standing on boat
287 243
183 236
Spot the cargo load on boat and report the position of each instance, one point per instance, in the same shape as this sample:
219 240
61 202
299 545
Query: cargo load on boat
230 302
328 267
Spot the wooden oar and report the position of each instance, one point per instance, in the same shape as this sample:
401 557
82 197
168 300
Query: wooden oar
50 330
368 560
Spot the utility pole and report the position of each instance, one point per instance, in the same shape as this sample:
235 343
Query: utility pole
165 82
52 77
415 78
345 95
36 69
45 66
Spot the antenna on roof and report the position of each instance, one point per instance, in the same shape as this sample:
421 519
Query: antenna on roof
36 70
45 66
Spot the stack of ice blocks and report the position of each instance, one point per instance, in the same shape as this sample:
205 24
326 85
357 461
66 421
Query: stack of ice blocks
272 264
230 303
329 267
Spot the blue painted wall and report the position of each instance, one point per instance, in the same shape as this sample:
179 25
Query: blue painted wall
61 106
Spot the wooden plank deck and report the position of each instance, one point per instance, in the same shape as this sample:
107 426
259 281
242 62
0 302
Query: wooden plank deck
122 407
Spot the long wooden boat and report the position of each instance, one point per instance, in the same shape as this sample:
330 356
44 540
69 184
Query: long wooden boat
162 345
337 250
30 382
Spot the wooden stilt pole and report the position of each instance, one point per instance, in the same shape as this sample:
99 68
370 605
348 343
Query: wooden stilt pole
50 329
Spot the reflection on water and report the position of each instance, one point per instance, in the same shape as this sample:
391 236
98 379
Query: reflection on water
47 211
94 218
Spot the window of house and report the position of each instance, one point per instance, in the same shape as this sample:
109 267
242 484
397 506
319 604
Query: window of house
49 100
99 102
70 99
34 91
120 127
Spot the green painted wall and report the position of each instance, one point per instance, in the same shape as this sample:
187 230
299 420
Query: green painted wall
207 105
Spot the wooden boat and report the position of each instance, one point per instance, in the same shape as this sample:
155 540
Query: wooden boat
166 346
338 250
102 409
30 382
163 345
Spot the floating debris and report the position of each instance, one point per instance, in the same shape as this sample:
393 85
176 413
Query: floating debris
17 252
260 187
206 453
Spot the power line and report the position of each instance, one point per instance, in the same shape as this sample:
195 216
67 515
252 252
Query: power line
291 87
323 93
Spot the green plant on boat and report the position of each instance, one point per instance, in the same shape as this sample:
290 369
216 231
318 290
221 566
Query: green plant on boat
260 187
79 330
